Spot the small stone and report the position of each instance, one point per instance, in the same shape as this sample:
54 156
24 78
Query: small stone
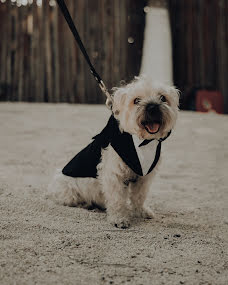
177 235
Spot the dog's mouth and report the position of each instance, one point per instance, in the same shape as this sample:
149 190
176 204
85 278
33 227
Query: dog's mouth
152 127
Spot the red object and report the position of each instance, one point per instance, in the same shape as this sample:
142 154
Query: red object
209 101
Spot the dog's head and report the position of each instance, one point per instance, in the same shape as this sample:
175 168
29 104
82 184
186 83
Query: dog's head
146 109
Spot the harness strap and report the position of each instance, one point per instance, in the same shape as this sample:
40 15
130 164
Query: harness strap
169 133
75 33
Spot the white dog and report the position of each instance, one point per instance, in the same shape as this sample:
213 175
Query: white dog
116 169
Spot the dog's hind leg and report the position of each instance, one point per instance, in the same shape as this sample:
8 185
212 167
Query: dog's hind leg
63 190
75 192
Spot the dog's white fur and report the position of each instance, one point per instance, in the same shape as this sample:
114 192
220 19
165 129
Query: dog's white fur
123 202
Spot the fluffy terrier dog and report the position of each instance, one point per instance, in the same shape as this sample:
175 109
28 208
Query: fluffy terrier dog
115 171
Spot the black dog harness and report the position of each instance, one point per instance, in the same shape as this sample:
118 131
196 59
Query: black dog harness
84 164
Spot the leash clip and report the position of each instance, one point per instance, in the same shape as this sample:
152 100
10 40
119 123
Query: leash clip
104 89
109 100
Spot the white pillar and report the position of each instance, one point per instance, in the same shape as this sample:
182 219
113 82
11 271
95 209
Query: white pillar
157 46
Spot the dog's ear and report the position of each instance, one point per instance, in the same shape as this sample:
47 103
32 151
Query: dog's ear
175 93
118 100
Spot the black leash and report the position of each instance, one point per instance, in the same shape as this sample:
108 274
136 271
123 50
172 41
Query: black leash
74 31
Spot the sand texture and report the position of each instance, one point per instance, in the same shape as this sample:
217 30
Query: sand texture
44 243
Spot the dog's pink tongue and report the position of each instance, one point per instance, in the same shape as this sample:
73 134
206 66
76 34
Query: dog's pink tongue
153 128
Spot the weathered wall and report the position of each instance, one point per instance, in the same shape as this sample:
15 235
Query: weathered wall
200 44
39 60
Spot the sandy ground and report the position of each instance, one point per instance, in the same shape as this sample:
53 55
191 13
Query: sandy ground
43 243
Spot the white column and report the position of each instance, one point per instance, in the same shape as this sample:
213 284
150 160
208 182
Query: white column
157 46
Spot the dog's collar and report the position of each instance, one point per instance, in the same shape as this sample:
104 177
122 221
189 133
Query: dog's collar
163 139
145 142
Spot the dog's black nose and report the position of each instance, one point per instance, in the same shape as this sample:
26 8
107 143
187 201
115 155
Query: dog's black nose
150 108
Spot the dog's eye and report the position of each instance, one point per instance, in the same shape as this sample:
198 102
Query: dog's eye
162 98
137 100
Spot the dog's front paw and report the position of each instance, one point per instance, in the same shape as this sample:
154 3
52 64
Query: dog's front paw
120 222
147 213
144 213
